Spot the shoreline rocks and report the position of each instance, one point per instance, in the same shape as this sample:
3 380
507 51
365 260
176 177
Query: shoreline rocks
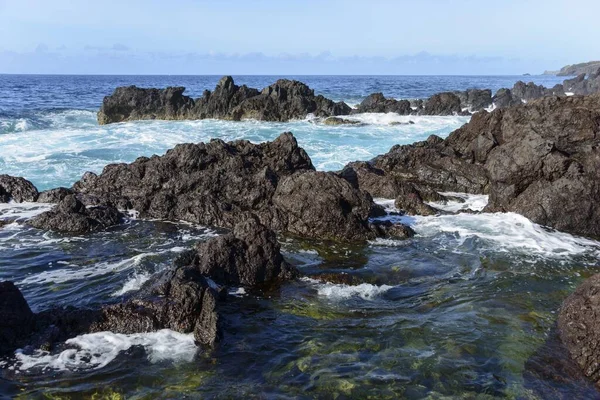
537 159
282 101
287 100
218 184
70 215
17 189
183 298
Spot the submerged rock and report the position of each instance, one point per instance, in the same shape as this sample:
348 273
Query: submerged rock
183 298
71 215
341 121
16 189
282 101
579 327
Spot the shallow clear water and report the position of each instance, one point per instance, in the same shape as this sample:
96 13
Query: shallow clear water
453 312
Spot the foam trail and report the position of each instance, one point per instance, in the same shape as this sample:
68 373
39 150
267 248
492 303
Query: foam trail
475 202
78 273
97 350
335 291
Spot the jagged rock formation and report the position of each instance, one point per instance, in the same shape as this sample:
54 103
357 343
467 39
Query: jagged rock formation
220 183
282 101
71 215
377 103
583 86
16 189
249 256
538 159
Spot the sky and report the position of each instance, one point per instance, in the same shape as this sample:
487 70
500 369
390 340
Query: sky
416 37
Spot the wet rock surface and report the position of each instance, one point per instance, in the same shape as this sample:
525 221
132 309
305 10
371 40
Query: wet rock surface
537 159
16 189
579 327
287 100
71 215
183 298
248 256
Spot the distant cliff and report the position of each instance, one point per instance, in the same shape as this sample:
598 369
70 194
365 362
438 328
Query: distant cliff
576 69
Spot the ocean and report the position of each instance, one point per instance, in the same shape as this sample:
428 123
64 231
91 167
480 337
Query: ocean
454 312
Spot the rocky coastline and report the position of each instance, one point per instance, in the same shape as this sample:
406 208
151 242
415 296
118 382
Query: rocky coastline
537 158
287 100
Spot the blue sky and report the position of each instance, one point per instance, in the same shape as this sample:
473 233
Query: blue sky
296 37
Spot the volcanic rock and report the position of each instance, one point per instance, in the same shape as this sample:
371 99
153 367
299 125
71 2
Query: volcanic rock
282 101
579 327
445 103
377 103
54 195
248 256
16 189
71 215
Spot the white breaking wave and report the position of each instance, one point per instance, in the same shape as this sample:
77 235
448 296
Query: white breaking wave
505 232
135 282
97 350
22 211
76 272
335 291
54 157
475 202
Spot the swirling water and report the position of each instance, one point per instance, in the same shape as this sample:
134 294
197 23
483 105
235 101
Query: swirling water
454 312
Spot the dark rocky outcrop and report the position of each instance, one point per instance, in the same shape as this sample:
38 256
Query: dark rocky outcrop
374 180
445 103
579 327
377 103
538 159
16 189
248 256
180 299
581 85
504 98
220 183
322 205
71 215
475 99
129 103
282 101
16 318
54 195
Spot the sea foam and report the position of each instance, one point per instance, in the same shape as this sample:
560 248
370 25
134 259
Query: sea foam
97 350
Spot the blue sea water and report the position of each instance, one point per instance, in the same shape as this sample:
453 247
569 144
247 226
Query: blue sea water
455 312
